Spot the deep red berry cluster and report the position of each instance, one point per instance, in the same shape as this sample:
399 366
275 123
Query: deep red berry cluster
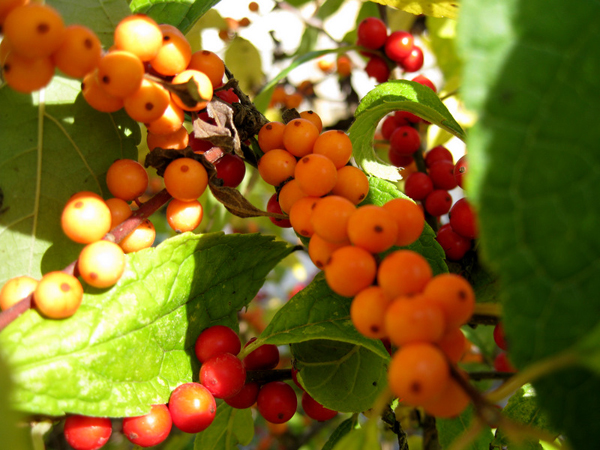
397 48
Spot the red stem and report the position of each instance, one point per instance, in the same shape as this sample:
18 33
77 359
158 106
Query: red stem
115 235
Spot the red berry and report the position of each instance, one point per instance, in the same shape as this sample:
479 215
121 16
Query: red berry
418 186
414 60
245 398
460 170
150 429
87 433
231 169
405 140
264 357
192 407
388 126
442 175
274 207
438 202
438 153
499 337
216 340
377 68
199 145
502 363
223 375
277 402
372 33
400 160
463 220
398 45
295 378
227 95
404 118
315 410
455 246
422 79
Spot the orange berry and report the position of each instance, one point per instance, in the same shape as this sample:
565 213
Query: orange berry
316 175
409 217
454 295
351 183
119 211
253 6
403 272
414 319
25 74
175 141
6 6
140 238
34 30
293 100
368 311
170 122
120 73
299 136
451 402
58 295
140 35
344 66
210 64
101 264
289 194
270 136
320 250
372 228
418 373
185 179
126 179
79 53
85 218
184 216
203 84
276 166
148 103
313 117
326 66
300 215
336 145
278 95
15 290
350 270
97 97
330 218
453 343
175 53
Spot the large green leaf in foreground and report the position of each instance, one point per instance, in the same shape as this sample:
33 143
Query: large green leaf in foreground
531 74
53 144
129 347
388 97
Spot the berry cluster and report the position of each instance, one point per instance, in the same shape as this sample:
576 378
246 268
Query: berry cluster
396 49
501 362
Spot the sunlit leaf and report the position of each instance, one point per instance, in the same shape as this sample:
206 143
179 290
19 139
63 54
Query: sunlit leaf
435 8
180 13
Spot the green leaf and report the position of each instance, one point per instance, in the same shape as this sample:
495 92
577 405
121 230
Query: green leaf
341 376
392 96
243 59
14 436
365 438
523 408
100 16
229 428
442 33
381 192
342 430
329 8
53 145
180 13
316 312
435 8
128 347
308 41
264 97
533 179
450 429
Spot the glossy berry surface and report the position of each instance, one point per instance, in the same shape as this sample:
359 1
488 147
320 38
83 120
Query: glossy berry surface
460 170
499 337
442 175
377 68
398 45
215 340
274 207
372 33
405 140
231 169
277 402
463 220
192 407
438 202
245 398
438 153
418 186
150 429
223 375
455 246
414 60
315 410
87 433
263 358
